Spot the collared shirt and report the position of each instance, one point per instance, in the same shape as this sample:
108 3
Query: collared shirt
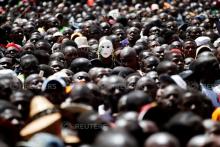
209 92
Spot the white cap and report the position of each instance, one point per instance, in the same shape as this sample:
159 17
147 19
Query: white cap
202 40
114 13
217 43
57 34
8 72
154 7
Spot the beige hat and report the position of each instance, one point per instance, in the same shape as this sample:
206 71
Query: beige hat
202 49
39 104
81 42
75 107
48 122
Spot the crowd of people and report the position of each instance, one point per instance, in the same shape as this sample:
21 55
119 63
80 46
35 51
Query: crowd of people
104 73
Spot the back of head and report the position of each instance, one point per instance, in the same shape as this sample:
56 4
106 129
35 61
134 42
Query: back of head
184 125
161 140
115 138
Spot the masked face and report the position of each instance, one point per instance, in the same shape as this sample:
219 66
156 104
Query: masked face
105 48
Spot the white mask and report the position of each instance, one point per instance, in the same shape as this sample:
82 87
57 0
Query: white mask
105 48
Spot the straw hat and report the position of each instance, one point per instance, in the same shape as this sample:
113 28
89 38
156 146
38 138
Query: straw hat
75 35
81 42
48 122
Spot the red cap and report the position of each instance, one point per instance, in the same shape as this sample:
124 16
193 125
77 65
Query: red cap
16 46
176 50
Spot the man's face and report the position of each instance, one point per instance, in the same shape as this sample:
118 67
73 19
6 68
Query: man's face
158 52
112 88
128 59
195 32
171 25
11 52
56 65
105 28
147 85
92 42
145 54
41 45
13 116
131 82
163 17
154 31
169 97
133 34
83 52
34 38
178 60
176 44
21 102
196 103
35 84
154 44
53 22
101 74
189 49
70 53
29 66
149 64
58 56
6 63
153 75
29 47
120 33
81 77
187 62
116 86
195 22
86 29
67 32
17 33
